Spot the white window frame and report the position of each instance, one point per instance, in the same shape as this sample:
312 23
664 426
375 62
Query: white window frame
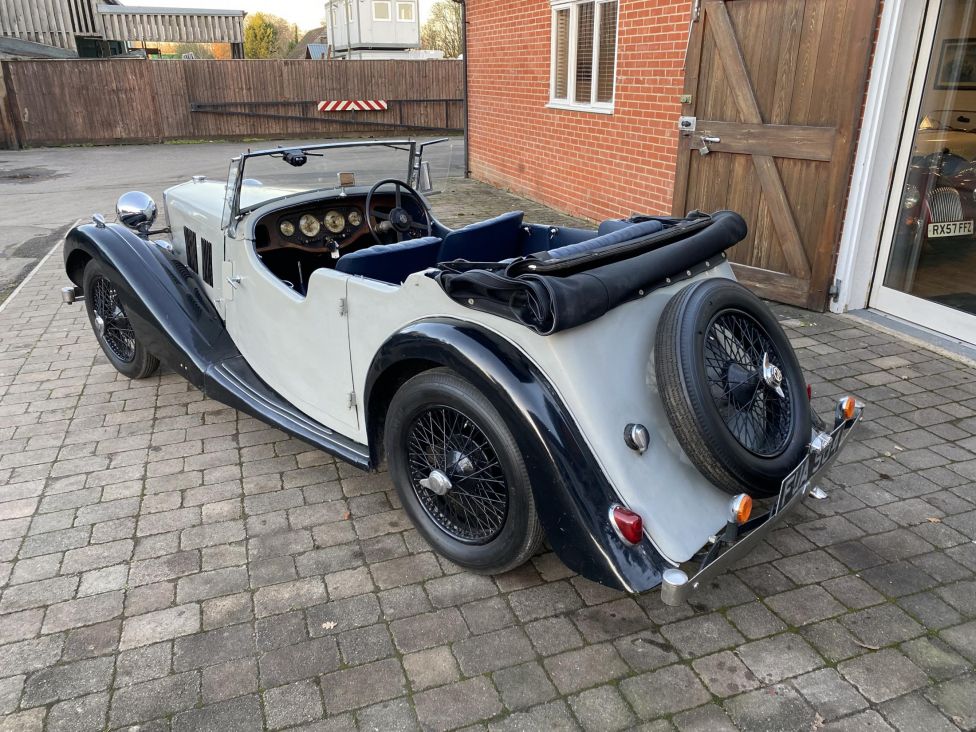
570 101
389 5
413 11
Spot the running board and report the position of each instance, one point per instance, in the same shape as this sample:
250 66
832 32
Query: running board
235 384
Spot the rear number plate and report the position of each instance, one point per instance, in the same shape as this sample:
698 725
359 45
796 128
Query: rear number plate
951 228
798 481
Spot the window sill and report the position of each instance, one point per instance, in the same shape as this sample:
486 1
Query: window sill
593 108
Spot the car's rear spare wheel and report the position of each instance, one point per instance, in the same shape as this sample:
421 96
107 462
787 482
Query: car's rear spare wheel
109 321
732 387
459 474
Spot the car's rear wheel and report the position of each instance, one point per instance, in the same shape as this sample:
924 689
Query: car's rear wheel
111 325
732 387
459 474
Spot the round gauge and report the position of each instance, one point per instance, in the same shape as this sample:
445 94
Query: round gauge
355 218
335 222
287 228
309 225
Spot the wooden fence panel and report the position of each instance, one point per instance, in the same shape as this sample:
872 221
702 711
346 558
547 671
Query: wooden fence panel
118 101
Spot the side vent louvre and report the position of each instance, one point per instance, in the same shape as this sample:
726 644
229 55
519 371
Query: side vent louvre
191 249
206 256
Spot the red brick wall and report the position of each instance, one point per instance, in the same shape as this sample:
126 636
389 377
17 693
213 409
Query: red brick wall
584 163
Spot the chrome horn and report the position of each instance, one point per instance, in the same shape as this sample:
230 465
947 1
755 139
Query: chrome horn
136 210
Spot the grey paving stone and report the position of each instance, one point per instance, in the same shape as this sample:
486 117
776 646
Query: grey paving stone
363 685
29 655
229 679
160 625
963 639
914 712
214 646
10 690
575 670
492 651
611 620
206 585
805 605
707 718
830 695
84 713
935 657
456 705
293 704
524 686
666 691
20 625
554 716
431 667
754 620
602 708
431 629
545 600
153 699
868 720
882 625
701 635
91 641
83 611
143 664
646 651
363 645
553 635
287 596
779 657
300 661
724 674
484 616
242 715
458 589
883 675
777 707
38 594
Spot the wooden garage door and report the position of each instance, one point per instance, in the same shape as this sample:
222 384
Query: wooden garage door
777 85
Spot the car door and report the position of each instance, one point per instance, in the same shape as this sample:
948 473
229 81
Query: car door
298 345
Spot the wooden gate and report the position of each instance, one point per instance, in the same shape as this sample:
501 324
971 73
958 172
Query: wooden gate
775 90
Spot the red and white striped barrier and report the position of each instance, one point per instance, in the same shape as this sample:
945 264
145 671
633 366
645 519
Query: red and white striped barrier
354 105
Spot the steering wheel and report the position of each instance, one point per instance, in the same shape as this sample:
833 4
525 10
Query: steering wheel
399 220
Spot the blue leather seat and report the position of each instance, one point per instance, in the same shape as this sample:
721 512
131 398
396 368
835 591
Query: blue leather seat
485 241
633 231
391 263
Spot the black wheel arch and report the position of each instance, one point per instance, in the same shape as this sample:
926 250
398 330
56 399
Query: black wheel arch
572 494
164 301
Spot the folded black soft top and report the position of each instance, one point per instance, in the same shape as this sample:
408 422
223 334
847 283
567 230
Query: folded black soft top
561 289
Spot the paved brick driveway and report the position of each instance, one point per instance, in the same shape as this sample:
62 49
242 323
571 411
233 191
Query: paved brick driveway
167 562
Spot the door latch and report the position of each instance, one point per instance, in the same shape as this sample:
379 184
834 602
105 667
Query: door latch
235 282
706 141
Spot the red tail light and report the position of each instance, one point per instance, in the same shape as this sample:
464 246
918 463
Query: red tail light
809 392
629 525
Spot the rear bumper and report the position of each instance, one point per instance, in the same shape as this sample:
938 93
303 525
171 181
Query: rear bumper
677 587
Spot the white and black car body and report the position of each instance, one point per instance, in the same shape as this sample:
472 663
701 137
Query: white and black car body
548 345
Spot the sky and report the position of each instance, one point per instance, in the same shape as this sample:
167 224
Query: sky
307 14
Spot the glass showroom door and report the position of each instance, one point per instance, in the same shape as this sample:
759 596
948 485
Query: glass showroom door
927 261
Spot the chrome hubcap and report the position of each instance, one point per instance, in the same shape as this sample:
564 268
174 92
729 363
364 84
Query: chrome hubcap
437 482
772 375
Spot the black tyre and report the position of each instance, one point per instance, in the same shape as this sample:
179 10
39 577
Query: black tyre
732 387
112 328
459 474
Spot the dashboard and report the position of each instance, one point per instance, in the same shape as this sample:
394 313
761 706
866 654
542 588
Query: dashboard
325 226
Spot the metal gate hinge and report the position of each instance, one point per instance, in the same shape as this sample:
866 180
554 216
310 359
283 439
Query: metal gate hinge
353 402
343 306
834 290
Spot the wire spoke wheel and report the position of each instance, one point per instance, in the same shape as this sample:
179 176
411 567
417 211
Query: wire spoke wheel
456 475
742 369
112 325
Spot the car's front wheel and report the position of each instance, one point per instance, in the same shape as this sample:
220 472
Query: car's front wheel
114 332
459 474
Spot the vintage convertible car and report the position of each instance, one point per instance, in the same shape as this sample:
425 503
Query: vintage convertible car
613 391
